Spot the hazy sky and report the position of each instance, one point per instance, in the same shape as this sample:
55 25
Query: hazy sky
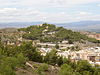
49 10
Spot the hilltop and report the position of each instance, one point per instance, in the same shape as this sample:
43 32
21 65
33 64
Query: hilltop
51 33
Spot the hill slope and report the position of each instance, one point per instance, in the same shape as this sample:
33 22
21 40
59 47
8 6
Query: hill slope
51 33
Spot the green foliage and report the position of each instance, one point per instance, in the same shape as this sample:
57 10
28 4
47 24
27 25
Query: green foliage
66 70
21 59
51 57
37 32
70 41
60 61
9 64
31 52
86 73
57 46
6 70
41 69
84 66
12 57
97 71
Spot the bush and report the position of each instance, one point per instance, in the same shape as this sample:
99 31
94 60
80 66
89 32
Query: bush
41 69
66 70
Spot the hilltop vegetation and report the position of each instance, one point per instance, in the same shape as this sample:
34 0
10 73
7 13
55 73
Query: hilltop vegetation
51 33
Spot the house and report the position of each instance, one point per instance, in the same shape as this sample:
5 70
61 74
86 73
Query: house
64 46
44 51
40 25
50 45
20 39
65 41
51 33
64 54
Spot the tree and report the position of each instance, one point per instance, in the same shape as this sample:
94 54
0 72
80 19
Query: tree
42 68
70 41
60 61
66 70
84 66
51 57
97 71
57 46
6 70
86 73
21 59
31 52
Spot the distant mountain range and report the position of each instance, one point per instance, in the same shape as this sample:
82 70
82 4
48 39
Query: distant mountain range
93 26
81 25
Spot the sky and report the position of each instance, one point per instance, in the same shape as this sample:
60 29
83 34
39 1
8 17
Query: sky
53 11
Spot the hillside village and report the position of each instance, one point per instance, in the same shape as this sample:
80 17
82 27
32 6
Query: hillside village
49 37
45 41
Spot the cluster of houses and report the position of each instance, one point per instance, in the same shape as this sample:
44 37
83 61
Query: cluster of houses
97 36
92 55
